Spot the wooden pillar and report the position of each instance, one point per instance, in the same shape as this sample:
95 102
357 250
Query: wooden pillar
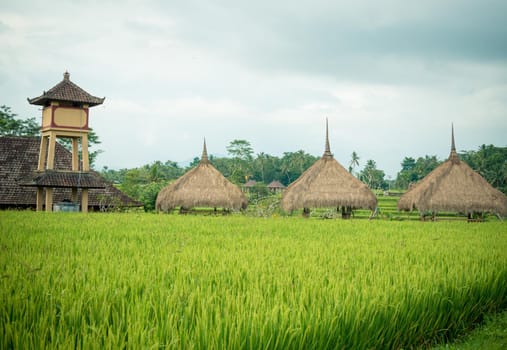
84 200
84 148
40 200
49 199
42 152
75 154
51 151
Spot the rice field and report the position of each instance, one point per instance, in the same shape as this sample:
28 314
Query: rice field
200 282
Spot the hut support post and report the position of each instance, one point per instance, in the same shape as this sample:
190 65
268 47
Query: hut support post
84 150
75 155
49 199
306 212
84 200
346 211
51 151
42 152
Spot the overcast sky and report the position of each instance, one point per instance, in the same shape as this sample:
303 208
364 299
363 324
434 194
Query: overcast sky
391 76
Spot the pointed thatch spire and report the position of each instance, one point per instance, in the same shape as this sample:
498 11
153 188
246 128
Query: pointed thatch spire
454 186
203 186
327 184
327 150
453 156
204 157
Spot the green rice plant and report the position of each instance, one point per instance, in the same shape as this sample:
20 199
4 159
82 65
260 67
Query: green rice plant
98 281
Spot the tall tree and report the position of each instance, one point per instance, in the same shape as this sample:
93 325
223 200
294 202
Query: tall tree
414 170
12 126
240 149
354 162
259 164
241 152
372 176
491 163
293 164
407 175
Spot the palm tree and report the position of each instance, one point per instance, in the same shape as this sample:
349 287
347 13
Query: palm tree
262 160
353 162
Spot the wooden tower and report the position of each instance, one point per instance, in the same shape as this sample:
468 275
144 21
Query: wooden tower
65 114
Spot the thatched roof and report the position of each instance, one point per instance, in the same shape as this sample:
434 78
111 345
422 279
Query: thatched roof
327 184
250 183
203 186
275 185
454 187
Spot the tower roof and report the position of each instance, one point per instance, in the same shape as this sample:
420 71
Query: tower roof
66 91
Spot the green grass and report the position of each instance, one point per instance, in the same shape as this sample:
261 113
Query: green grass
168 281
492 335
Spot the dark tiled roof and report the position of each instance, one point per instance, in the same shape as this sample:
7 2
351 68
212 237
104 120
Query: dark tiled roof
63 179
18 161
66 91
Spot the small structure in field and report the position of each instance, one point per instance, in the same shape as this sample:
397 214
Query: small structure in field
327 184
249 185
276 186
454 187
203 186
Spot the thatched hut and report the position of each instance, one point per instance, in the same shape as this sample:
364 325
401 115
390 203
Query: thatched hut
275 186
203 186
328 184
454 187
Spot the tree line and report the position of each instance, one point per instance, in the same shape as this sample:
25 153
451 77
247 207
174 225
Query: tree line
143 183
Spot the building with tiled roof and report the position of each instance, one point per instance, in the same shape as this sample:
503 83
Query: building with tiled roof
18 164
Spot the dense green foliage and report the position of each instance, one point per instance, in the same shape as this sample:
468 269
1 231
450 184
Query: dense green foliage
10 125
151 281
414 170
491 163
372 176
